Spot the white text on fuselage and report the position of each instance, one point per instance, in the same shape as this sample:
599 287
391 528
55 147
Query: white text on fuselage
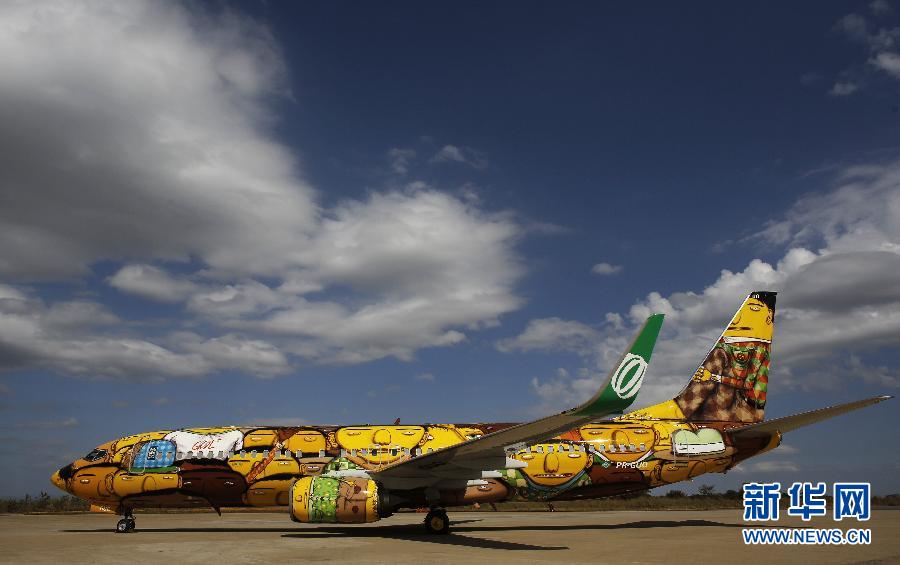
635 465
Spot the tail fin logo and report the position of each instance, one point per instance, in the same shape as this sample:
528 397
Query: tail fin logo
627 379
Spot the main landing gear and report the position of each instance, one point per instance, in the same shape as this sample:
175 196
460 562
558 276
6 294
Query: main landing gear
437 522
126 524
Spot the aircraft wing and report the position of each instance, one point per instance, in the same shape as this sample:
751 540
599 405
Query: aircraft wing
790 423
467 460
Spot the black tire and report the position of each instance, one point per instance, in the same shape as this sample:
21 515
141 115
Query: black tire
122 527
437 522
131 524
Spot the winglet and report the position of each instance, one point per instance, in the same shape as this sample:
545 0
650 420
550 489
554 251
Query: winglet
624 382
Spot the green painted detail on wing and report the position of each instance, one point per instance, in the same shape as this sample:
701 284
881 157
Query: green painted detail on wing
625 381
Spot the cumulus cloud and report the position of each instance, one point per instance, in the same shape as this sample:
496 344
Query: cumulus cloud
843 88
605 269
139 130
151 282
882 44
400 159
840 293
461 154
552 334
887 62
253 356
141 134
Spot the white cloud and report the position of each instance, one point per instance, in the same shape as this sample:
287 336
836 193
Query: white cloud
153 119
880 7
552 334
774 466
840 294
254 356
428 261
400 159
425 377
156 121
887 62
47 424
151 282
604 269
240 298
843 88
83 338
882 45
854 26
460 154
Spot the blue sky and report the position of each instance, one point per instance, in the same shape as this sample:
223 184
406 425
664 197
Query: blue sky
334 213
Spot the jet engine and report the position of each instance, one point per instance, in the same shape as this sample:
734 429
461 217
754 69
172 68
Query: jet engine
338 500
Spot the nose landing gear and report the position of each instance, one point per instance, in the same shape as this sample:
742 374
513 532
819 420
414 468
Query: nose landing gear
126 524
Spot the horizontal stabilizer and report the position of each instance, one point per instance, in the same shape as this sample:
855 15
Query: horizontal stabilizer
790 423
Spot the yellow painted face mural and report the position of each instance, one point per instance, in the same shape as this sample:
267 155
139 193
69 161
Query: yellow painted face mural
379 445
732 382
437 437
754 321
551 465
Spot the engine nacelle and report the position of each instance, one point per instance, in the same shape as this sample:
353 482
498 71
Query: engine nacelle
337 500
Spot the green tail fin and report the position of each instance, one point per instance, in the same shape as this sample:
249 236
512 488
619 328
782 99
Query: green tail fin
624 382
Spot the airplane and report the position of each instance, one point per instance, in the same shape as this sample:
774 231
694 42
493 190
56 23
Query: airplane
362 473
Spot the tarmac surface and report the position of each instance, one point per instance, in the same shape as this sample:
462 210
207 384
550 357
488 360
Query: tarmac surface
476 537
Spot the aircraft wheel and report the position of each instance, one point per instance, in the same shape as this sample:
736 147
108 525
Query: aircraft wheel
131 524
437 522
123 526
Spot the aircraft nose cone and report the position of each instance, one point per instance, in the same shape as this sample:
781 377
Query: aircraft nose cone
58 481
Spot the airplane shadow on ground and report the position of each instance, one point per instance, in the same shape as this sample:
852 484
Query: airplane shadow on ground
411 532
414 532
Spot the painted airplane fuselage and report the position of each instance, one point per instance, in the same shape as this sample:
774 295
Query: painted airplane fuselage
232 467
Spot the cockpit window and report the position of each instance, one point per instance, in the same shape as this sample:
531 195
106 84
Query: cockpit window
95 454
